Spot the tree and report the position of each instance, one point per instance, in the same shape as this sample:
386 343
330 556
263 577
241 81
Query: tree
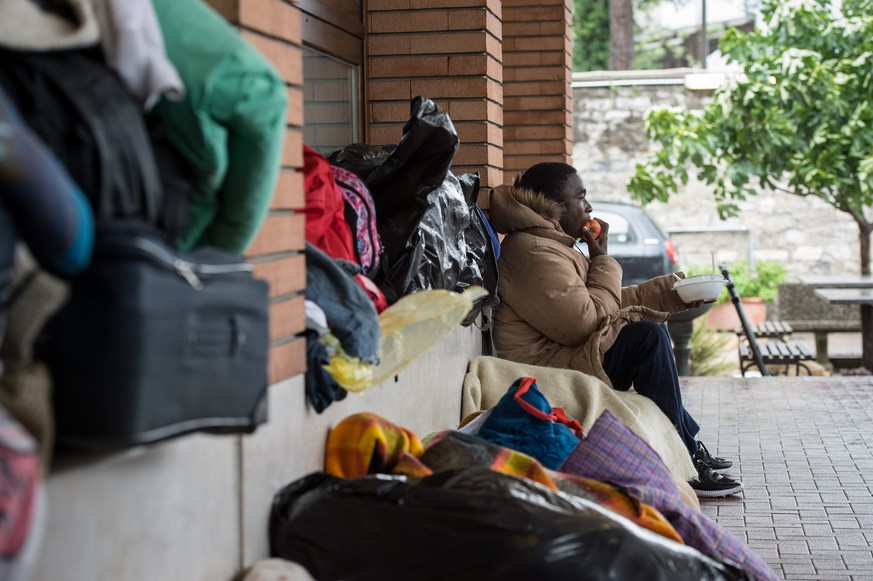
799 119
621 34
593 24
591 35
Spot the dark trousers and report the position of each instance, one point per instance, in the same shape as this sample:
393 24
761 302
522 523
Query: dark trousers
642 356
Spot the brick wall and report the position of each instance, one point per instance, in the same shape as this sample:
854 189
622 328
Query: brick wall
537 50
273 27
448 51
500 69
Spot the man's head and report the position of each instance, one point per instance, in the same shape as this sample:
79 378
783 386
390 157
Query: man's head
561 183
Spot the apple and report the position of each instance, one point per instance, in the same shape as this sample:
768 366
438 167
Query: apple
594 227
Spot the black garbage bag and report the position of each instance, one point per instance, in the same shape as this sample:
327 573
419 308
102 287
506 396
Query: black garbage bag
471 524
433 234
420 207
418 164
359 158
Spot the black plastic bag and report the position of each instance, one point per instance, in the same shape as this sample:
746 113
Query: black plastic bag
471 524
359 158
418 164
420 208
432 232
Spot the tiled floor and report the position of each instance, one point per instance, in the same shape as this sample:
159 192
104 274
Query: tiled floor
803 448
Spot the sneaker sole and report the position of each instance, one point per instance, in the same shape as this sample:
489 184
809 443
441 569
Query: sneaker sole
718 493
722 470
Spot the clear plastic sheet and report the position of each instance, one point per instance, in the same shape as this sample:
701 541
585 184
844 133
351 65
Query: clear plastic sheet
409 328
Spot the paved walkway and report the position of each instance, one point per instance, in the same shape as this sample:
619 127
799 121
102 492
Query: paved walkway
803 448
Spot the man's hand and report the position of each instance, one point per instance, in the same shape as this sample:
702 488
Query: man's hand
596 246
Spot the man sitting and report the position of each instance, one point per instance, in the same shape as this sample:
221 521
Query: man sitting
561 309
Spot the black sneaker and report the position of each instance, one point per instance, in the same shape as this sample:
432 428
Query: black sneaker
717 464
711 484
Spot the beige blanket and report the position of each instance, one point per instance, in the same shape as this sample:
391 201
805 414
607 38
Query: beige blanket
583 397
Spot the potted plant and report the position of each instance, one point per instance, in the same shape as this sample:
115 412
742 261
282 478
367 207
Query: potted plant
757 289
710 352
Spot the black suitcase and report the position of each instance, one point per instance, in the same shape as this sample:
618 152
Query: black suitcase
153 344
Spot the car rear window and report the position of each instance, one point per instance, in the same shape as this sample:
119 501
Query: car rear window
620 230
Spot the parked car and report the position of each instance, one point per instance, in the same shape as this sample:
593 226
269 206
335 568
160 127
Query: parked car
636 242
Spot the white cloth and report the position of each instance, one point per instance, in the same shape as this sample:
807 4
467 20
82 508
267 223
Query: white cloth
583 397
26 26
475 424
134 46
315 317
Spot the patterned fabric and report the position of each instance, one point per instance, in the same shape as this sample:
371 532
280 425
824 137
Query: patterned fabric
365 443
365 234
611 452
453 450
368 444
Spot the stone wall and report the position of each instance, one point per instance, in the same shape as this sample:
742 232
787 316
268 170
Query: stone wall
609 112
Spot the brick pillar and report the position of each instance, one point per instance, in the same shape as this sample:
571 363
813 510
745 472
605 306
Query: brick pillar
537 71
273 27
448 51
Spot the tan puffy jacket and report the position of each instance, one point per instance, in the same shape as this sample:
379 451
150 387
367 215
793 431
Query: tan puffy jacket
558 308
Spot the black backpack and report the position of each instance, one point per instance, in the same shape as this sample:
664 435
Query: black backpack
482 249
80 109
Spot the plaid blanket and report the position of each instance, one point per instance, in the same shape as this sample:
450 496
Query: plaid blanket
368 444
365 443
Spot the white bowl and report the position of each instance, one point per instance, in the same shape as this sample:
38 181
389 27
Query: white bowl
703 287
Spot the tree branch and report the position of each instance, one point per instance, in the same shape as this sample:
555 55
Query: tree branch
787 191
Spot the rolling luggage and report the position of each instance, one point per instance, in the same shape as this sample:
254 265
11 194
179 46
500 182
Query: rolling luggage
154 344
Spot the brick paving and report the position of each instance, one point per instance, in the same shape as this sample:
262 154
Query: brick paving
803 447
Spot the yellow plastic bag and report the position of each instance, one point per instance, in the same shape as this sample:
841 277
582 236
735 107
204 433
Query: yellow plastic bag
409 327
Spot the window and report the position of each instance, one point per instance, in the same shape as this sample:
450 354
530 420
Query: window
333 55
330 102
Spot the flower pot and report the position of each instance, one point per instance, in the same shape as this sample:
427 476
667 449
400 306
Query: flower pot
723 317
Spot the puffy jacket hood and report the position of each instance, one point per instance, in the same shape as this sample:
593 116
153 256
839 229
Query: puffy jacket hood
515 209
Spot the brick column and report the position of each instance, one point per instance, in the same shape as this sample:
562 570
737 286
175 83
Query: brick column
537 70
273 27
448 51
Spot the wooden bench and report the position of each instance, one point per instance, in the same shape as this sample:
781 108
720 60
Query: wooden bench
770 330
771 352
776 353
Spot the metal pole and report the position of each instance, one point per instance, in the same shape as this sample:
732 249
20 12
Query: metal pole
704 43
